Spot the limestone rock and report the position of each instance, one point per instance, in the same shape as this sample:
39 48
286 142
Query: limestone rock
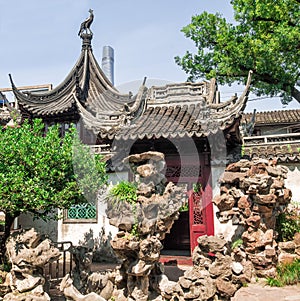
226 288
287 246
28 253
211 244
237 268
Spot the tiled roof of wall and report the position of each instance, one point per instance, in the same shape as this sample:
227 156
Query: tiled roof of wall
274 117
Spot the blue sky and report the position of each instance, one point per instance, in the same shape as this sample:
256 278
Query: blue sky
39 42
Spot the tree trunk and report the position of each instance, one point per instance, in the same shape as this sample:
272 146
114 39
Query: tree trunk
296 94
9 219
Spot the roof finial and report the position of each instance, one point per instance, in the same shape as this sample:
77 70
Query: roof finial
85 25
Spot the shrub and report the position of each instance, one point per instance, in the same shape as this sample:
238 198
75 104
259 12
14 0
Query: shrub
124 191
288 223
237 243
287 274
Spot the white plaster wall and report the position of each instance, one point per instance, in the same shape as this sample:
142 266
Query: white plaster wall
225 230
48 228
75 232
293 182
216 172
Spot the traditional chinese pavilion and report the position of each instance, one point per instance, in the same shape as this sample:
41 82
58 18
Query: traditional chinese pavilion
185 121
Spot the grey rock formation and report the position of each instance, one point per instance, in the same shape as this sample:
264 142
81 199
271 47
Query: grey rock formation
28 253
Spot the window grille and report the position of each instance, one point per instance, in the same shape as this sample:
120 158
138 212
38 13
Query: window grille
82 211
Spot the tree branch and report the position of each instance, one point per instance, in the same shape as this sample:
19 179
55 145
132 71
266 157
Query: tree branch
264 19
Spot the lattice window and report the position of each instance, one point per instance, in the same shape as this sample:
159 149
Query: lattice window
85 212
197 209
173 172
193 171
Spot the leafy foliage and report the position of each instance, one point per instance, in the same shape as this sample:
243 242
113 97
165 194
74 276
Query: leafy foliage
265 38
90 170
124 191
287 274
184 208
36 172
237 243
287 224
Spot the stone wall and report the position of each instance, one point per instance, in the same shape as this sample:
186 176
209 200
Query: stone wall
252 194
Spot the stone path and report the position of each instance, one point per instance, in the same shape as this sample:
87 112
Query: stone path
259 292
253 292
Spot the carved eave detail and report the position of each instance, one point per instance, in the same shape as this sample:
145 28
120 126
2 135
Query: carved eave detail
185 110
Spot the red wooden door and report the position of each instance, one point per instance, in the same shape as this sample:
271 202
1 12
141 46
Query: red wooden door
201 215
201 220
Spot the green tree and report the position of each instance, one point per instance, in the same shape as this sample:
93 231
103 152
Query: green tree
37 174
265 39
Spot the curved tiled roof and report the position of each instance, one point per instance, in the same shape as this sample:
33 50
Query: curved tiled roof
185 109
85 89
184 118
274 117
287 153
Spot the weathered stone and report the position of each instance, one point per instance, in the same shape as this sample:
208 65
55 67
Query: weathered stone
277 184
221 267
252 189
144 157
232 177
237 268
268 238
265 273
287 246
22 297
204 289
247 212
225 216
233 167
297 239
268 199
71 293
253 221
266 211
259 168
236 193
287 257
225 288
261 261
199 260
211 244
224 202
156 209
185 283
146 170
284 196
244 202
28 254
270 251
274 171
236 166
194 274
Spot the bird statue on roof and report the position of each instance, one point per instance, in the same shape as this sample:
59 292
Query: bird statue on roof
85 25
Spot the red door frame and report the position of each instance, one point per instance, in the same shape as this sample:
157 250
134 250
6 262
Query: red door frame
200 209
196 229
